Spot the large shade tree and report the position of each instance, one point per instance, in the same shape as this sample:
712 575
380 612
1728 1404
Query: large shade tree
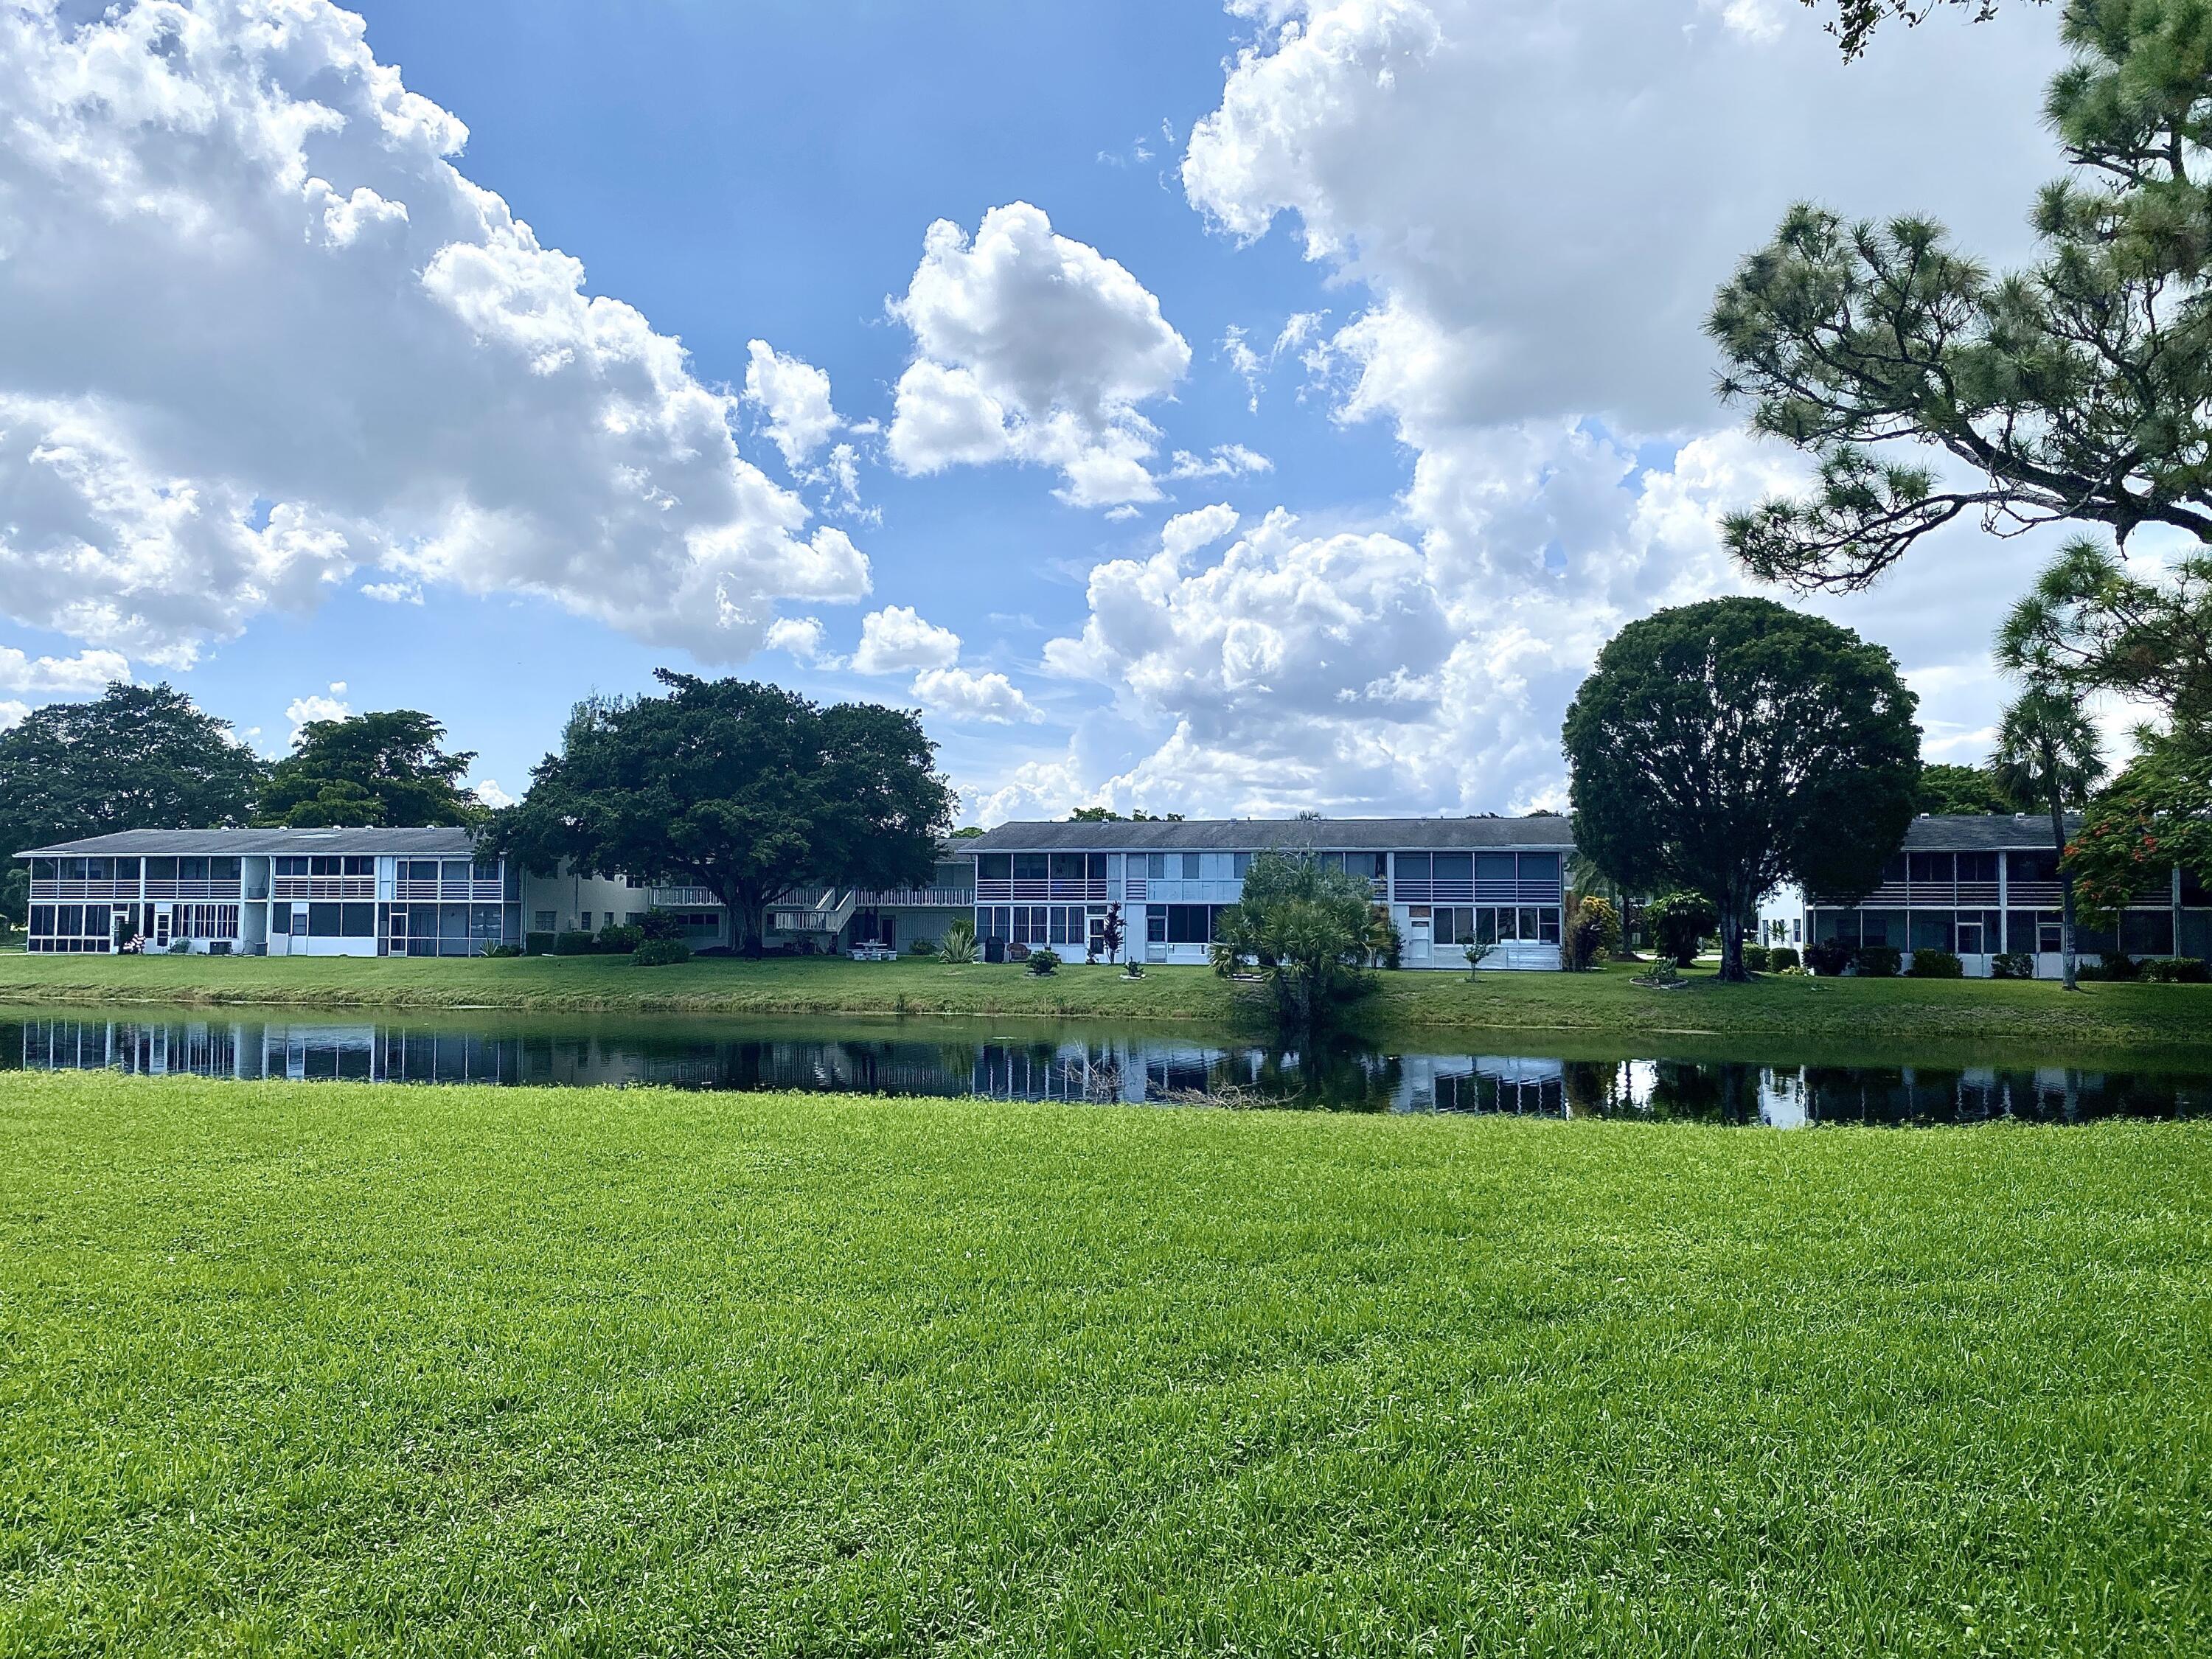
383 769
1732 745
135 757
1308 926
2048 758
743 788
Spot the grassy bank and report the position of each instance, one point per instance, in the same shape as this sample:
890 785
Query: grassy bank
339 1370
2103 1016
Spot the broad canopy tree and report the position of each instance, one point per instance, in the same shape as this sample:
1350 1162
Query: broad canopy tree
135 757
1308 926
1728 746
743 788
385 770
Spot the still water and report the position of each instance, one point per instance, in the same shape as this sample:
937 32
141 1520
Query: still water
1079 1061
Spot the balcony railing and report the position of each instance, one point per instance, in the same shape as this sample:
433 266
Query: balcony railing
681 898
78 892
1477 892
451 892
324 887
1032 891
938 898
224 892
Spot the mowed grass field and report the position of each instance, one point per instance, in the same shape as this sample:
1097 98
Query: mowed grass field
339 1369
2097 1016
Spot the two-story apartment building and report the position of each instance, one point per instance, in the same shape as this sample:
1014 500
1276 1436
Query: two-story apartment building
275 892
1982 884
1448 882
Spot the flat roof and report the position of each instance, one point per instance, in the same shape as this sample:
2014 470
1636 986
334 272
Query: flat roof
1984 832
1256 835
234 843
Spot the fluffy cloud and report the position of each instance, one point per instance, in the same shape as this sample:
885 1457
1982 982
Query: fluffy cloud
1531 334
303 712
794 395
488 790
382 367
963 696
82 675
13 713
805 639
1224 461
1032 347
895 639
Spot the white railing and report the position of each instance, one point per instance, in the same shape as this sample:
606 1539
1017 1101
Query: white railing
74 892
1027 890
934 897
681 898
452 892
324 887
228 892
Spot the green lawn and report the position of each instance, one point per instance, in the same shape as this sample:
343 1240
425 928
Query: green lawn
2100 1015
331 1369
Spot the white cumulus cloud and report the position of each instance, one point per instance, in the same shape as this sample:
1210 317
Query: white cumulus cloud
991 697
84 675
303 712
895 639
263 332
794 395
1031 346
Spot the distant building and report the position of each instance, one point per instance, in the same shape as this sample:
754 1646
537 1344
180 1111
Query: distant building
1978 885
1448 882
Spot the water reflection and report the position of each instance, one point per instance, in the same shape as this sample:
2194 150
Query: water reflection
1074 1064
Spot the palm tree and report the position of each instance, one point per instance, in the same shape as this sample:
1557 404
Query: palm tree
2048 758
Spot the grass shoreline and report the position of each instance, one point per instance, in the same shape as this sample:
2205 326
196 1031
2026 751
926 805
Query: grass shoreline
2103 1016
352 1369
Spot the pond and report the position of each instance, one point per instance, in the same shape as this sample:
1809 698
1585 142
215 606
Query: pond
1105 1064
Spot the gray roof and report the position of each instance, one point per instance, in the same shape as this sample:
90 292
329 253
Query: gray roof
1253 835
231 843
1984 832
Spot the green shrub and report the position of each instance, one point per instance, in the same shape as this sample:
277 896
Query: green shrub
1935 964
1758 959
618 939
2112 965
2013 964
661 924
573 942
1679 921
1781 958
503 951
1044 960
1592 933
957 948
538 945
2176 970
922 947
1878 961
1828 958
659 953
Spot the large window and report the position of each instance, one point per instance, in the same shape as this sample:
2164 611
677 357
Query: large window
70 929
993 866
1189 924
1978 866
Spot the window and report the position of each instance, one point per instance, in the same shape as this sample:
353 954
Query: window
1067 866
357 920
1156 925
419 870
1548 922
223 869
633 919
584 921
1883 928
1369 865
541 921
1156 866
454 872
1932 930
192 869
324 866
1239 865
992 866
1454 926
1191 866
1933 867
126 869
42 920
160 869
1458 867
2050 934
489 870
2031 866
1497 866
1540 866
1094 865
1892 869
287 866
1188 923
325 921
299 921
2146 932
361 867
1032 866
1413 867
1978 866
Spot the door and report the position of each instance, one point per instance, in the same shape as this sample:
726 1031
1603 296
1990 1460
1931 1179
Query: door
1417 937
164 918
396 936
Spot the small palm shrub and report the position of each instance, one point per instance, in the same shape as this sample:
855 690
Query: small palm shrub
958 947
2013 964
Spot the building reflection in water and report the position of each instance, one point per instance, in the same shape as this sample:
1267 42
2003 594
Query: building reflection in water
1104 1070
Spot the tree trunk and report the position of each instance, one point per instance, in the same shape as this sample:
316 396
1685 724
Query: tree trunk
1732 941
2067 963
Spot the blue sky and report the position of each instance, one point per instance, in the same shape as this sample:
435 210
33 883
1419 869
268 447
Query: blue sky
1503 227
